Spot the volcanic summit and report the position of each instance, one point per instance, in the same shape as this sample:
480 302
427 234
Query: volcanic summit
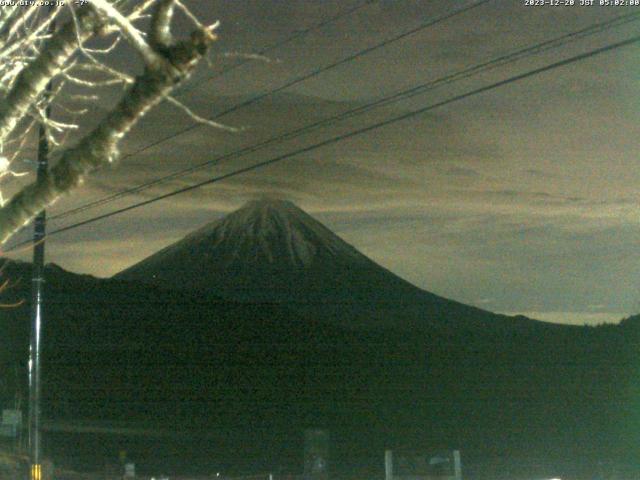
272 251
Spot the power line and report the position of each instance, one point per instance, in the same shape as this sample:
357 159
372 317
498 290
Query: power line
298 34
354 133
402 95
318 71
289 84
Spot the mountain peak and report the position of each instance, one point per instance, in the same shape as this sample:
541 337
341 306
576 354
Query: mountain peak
270 250
273 231
266 224
270 203
265 234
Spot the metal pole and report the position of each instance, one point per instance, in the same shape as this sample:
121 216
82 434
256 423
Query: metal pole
457 465
388 465
35 346
37 279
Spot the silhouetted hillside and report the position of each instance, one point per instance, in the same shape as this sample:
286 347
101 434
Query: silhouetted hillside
247 378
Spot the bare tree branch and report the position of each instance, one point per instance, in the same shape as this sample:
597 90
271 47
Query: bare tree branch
131 33
197 118
161 24
14 20
34 78
100 146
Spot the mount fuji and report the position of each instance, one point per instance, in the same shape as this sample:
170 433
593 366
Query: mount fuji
312 333
272 251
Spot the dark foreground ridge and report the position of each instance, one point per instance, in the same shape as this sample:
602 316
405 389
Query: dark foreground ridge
238 379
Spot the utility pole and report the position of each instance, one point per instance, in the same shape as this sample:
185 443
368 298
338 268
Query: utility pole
35 346
388 465
37 292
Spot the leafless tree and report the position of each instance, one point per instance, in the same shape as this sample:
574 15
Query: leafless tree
65 66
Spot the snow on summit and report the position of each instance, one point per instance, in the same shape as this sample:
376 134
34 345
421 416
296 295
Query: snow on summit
272 251
266 231
275 231
260 238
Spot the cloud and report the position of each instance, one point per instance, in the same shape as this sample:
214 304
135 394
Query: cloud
573 317
457 171
524 196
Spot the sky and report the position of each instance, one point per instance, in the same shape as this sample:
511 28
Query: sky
521 199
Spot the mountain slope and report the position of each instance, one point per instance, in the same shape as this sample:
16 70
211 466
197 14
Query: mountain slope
270 250
254 375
